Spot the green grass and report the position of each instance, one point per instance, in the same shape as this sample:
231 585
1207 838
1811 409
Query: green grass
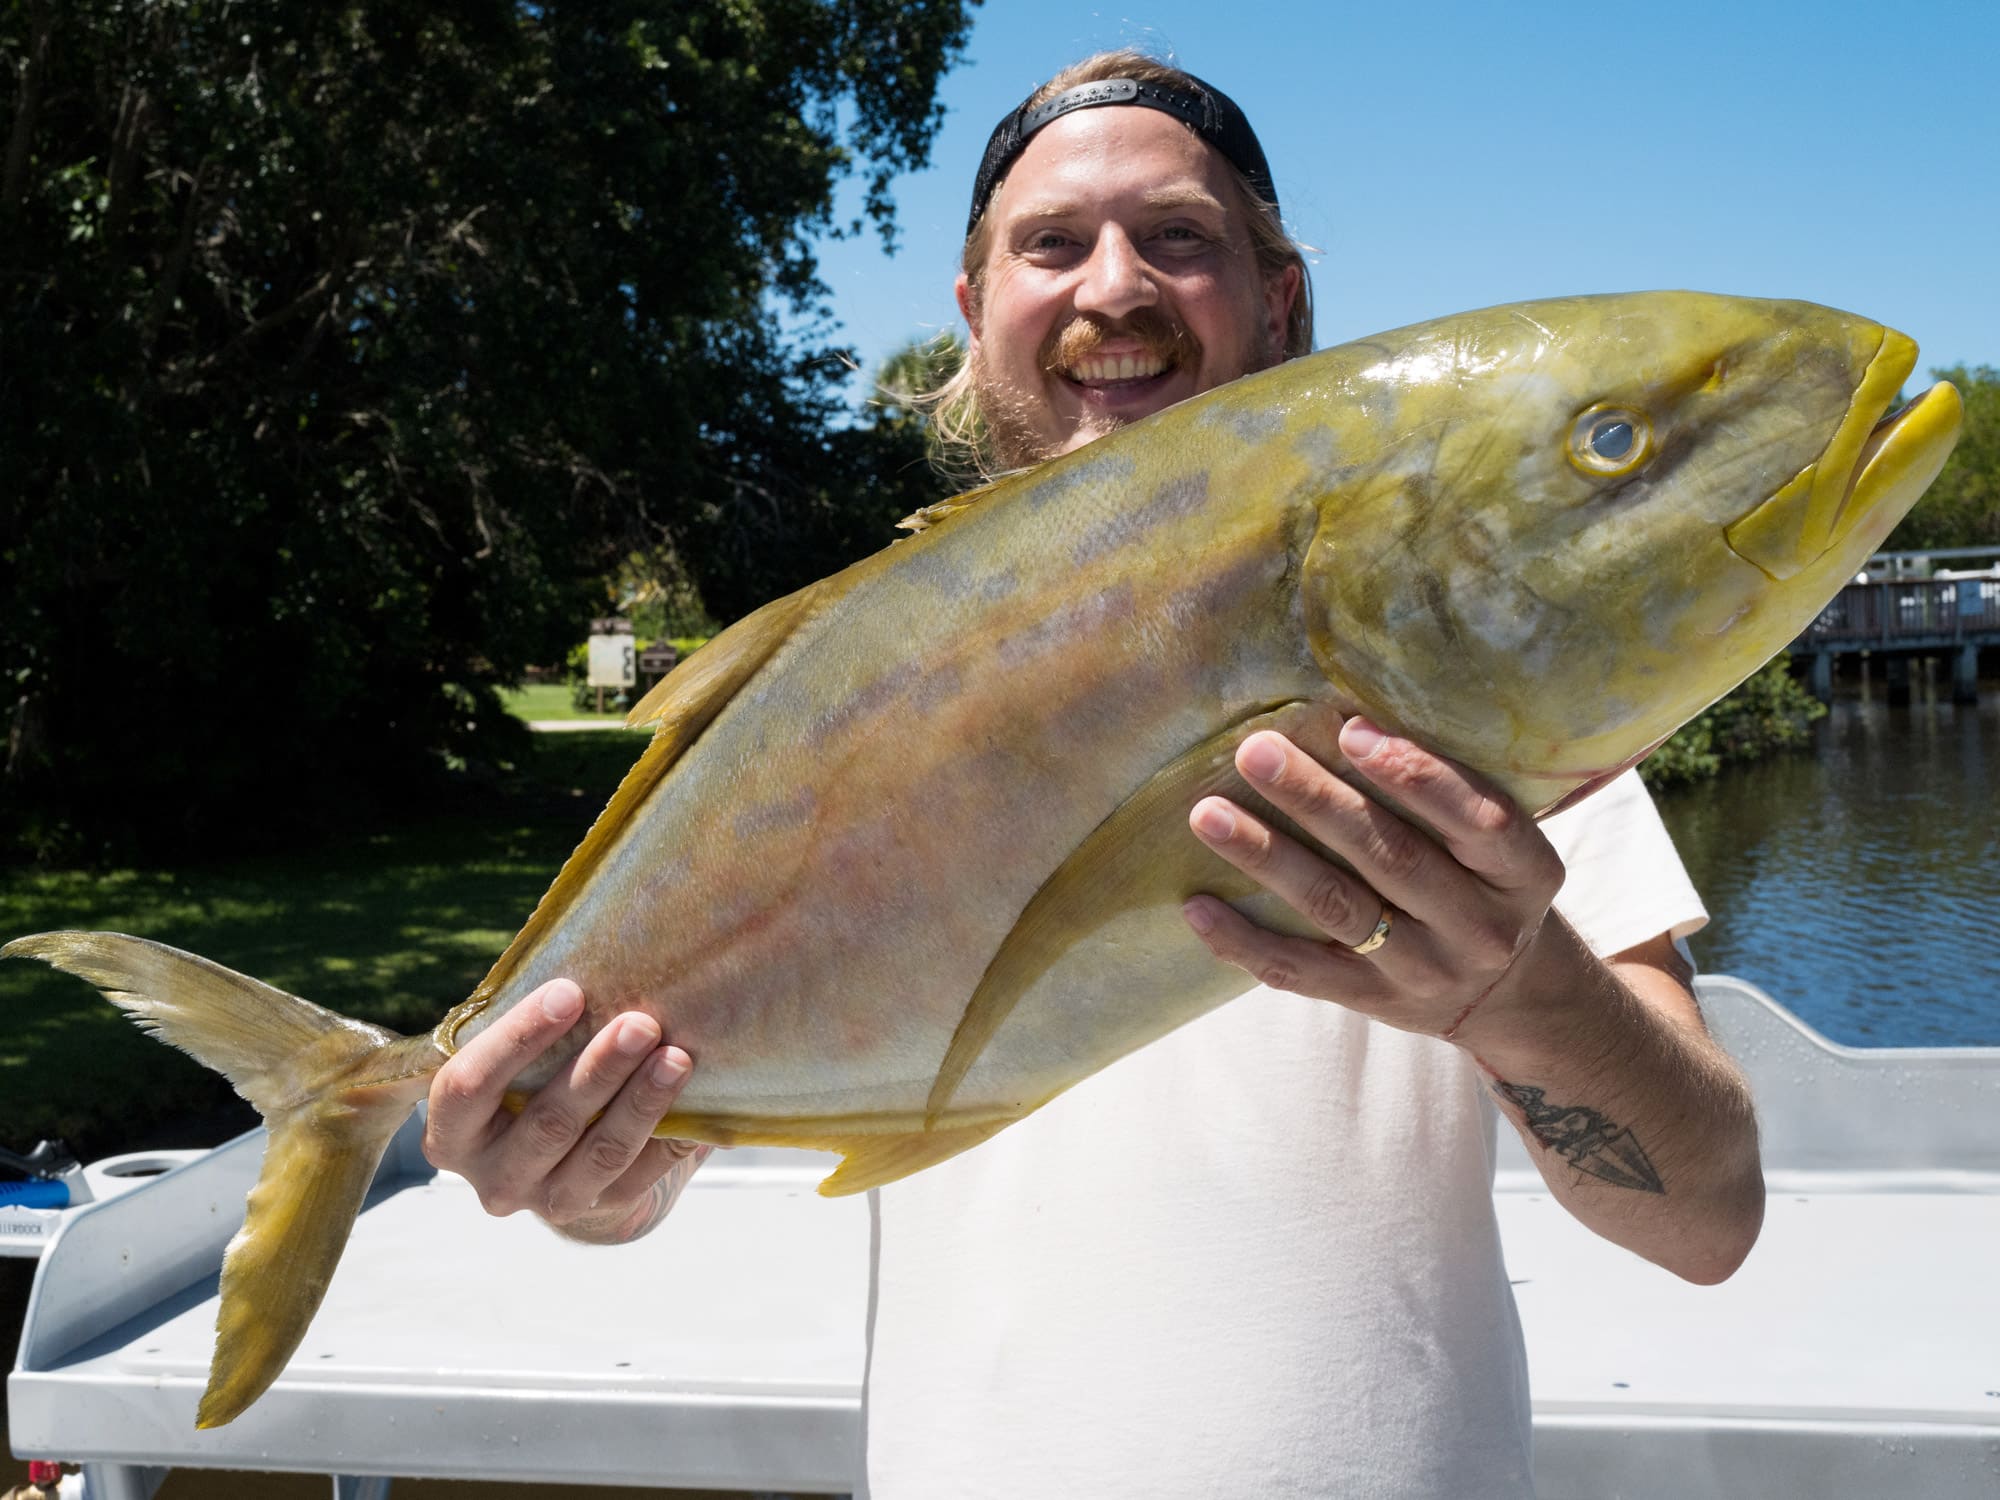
393 926
550 700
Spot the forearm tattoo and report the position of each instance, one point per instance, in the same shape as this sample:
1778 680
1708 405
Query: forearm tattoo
1585 1139
646 1214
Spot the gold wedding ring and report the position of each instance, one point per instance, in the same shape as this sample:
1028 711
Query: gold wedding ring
1374 939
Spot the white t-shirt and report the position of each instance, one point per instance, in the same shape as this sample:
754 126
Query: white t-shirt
1257 1258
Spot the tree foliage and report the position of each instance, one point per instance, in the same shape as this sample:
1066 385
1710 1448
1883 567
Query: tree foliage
1962 509
348 346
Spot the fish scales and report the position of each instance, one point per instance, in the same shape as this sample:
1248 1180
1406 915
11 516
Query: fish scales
1031 744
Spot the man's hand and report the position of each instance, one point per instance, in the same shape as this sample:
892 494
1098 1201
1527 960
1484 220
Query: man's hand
1462 907
581 1153
1641 1126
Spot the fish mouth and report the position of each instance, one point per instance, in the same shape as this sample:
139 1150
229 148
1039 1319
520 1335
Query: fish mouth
1877 464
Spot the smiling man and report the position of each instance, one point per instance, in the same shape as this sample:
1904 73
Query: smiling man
1129 267
1258 1257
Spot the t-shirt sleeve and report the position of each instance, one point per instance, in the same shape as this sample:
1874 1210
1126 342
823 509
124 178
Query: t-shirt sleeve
1626 882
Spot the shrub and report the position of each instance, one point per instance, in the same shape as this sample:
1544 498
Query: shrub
1770 712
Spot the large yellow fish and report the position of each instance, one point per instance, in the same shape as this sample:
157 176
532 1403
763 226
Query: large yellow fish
906 855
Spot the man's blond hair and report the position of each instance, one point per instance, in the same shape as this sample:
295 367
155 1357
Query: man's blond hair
960 446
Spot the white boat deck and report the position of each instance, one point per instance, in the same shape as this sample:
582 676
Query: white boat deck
1856 1354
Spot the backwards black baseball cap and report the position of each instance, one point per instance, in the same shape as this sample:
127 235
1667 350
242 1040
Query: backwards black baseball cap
1208 112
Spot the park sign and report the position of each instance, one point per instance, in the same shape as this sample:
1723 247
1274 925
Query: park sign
658 659
613 654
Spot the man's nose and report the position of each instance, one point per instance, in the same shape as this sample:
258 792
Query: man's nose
1116 278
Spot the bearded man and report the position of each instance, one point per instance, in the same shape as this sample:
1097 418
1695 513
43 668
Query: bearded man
1258 1257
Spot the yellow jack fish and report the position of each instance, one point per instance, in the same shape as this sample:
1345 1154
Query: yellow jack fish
906 855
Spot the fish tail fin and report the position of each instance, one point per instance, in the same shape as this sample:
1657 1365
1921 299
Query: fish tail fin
332 1092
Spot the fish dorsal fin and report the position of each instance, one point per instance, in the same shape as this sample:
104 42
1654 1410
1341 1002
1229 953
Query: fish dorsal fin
1143 854
930 515
682 705
683 701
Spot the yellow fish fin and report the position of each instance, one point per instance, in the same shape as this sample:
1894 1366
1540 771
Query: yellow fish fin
683 701
872 1155
1142 855
930 515
332 1092
871 1160
683 704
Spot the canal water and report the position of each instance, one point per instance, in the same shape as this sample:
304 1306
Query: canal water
1859 884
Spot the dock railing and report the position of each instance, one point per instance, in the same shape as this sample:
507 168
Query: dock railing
1909 612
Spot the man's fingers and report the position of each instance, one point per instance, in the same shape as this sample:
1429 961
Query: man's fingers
553 1123
1330 898
1389 855
598 1164
1485 829
465 1096
1284 963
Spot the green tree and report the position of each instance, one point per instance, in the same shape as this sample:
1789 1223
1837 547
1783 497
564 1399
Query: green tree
346 349
1963 508
811 500
912 373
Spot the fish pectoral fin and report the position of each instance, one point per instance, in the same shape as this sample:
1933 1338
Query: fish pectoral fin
1142 855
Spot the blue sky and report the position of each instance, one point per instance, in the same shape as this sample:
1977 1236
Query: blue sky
1446 155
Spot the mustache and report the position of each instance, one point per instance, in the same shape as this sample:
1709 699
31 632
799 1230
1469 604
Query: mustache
1083 335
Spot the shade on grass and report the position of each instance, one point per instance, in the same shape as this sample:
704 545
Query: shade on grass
391 925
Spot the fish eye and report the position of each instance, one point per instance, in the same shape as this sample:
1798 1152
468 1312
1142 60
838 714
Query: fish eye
1610 440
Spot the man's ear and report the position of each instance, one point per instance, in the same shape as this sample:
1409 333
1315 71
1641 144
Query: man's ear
968 306
1280 292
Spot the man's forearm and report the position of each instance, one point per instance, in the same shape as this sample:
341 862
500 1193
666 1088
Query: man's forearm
1642 1127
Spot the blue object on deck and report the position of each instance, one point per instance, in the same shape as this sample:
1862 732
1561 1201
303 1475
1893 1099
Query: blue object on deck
35 1193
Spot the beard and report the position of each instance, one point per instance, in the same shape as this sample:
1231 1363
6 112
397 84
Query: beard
1019 431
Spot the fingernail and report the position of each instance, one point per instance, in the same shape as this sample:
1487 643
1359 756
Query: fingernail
1213 820
1199 917
635 1036
1260 760
671 1067
1359 738
562 1002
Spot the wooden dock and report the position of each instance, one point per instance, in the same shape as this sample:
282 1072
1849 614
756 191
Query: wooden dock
1905 620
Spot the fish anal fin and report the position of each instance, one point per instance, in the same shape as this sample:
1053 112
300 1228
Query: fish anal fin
1141 855
871 1160
876 1148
